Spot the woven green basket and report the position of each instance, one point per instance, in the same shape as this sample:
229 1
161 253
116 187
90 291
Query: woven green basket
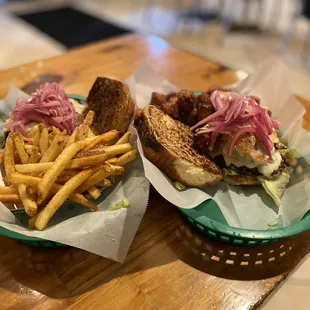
208 219
32 241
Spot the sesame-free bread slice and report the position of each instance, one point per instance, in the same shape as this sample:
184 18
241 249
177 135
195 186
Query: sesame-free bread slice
112 103
167 143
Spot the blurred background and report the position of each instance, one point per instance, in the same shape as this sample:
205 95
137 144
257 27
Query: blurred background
235 33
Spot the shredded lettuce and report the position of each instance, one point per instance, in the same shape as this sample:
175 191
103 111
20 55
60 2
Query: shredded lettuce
230 171
277 223
178 186
124 203
272 223
290 156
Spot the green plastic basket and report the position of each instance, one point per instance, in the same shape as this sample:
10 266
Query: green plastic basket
208 219
33 241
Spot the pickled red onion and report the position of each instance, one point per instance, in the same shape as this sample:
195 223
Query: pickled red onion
48 105
238 115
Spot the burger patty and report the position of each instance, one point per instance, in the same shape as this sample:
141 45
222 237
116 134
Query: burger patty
283 166
244 171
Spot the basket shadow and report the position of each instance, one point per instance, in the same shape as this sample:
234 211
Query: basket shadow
68 272
237 262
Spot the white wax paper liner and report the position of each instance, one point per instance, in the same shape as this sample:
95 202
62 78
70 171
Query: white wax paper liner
245 207
106 233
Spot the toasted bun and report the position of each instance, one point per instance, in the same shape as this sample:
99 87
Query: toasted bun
167 143
241 180
112 103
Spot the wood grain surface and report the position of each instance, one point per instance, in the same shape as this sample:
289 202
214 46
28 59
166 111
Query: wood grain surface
169 265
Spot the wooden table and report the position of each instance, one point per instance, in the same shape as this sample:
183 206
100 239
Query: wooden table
169 266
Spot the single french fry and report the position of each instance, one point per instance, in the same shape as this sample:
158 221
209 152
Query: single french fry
18 178
124 139
33 167
107 137
86 153
66 176
9 155
56 131
82 132
50 138
112 179
57 168
60 197
88 161
126 158
105 183
103 173
32 150
89 118
116 170
94 192
33 182
29 204
8 190
117 149
54 150
20 147
43 140
1 156
72 138
90 133
37 135
112 161
84 127
32 220
76 197
29 147
109 151
10 198
34 158
80 199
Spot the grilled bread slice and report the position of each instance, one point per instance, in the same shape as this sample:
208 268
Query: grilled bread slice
167 143
112 103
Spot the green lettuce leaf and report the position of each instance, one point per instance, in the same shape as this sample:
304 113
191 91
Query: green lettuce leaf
230 171
275 187
178 186
124 203
290 156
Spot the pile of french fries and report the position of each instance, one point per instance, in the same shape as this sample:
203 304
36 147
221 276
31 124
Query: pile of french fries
51 167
